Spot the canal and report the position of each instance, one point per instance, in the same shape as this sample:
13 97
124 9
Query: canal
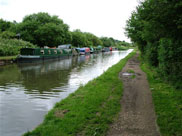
28 92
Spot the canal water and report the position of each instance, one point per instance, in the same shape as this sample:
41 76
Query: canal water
28 92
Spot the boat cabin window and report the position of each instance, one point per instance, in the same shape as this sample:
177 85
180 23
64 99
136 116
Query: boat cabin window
42 51
27 51
55 51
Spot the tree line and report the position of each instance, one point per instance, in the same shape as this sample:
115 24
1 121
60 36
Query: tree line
156 28
42 29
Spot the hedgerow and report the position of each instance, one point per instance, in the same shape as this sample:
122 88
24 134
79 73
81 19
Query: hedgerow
156 27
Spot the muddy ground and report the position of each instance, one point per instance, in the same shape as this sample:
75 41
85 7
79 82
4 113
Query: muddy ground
137 116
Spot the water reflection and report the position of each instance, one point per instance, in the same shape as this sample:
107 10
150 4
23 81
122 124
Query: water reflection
27 92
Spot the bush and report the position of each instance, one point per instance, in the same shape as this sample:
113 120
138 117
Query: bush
151 53
43 29
10 47
156 27
170 60
7 35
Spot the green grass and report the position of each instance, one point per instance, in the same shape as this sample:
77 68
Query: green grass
89 110
7 57
168 103
133 76
130 71
122 48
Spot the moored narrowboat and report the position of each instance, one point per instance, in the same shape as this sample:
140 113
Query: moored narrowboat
92 50
106 49
110 48
98 48
84 51
28 55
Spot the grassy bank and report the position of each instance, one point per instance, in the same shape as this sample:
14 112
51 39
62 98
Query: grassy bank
7 57
120 48
89 110
167 102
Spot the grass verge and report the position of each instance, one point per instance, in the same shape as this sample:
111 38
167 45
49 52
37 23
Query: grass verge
168 103
7 57
89 110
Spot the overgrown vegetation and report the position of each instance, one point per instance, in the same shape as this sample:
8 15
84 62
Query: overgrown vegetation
43 29
167 101
10 47
89 110
156 28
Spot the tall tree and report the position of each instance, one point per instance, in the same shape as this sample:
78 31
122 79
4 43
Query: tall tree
79 39
156 27
44 30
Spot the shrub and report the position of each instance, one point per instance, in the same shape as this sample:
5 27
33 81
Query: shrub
7 35
170 60
10 47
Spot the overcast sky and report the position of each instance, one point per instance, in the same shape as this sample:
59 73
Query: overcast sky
100 17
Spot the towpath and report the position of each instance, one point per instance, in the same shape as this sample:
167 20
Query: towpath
137 116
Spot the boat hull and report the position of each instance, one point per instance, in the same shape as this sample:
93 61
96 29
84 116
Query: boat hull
30 55
32 59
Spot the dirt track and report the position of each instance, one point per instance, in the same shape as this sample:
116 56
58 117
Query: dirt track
137 116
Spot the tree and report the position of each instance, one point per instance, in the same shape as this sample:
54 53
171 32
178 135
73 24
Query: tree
44 30
107 42
156 27
92 40
5 25
79 39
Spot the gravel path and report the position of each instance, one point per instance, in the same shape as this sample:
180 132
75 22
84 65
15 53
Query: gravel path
137 116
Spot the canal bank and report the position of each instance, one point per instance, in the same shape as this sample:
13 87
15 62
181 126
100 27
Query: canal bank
89 110
5 60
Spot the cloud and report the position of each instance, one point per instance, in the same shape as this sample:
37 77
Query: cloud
4 2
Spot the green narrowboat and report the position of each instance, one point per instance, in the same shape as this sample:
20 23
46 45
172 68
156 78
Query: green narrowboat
28 55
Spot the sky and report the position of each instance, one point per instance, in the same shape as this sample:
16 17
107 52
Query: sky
101 17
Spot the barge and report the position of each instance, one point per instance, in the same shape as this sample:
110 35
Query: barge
84 51
28 55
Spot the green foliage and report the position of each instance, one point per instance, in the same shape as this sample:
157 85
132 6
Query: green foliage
156 28
121 48
107 42
10 47
79 39
5 25
83 39
110 42
167 102
151 54
7 35
92 40
170 59
7 29
44 30
89 110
